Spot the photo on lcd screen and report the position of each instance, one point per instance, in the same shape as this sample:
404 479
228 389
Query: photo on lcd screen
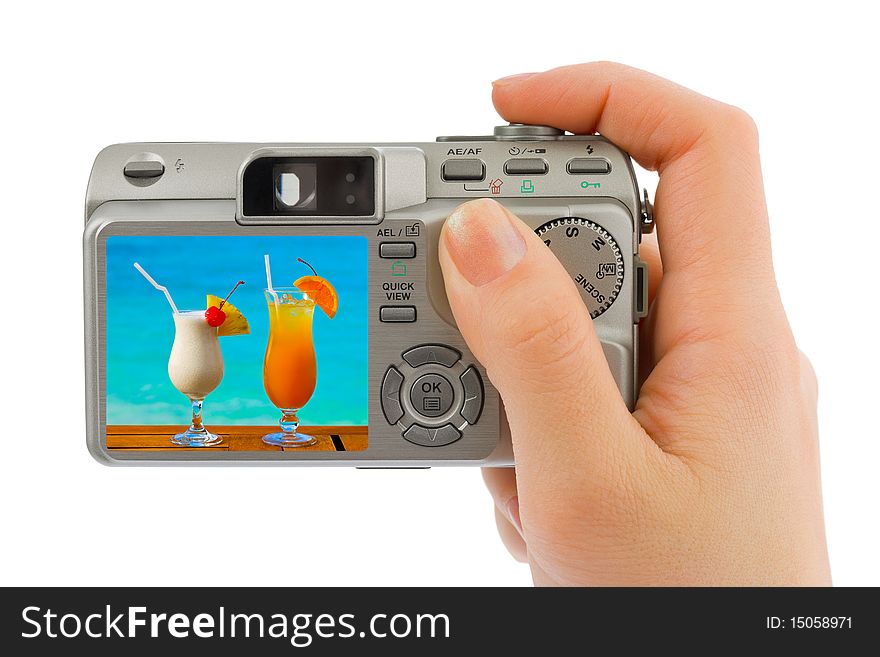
221 360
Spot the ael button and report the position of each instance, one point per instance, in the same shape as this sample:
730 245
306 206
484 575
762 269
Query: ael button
397 250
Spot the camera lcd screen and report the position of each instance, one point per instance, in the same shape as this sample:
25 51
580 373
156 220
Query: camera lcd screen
275 370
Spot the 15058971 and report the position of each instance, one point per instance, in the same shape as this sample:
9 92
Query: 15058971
809 623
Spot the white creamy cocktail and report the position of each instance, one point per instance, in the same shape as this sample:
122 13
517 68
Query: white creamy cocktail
195 367
196 363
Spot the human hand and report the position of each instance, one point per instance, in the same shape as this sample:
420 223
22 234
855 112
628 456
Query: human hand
714 478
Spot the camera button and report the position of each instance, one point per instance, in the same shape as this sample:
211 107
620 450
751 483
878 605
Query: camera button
473 395
527 166
143 169
419 435
432 395
391 395
397 250
593 165
397 314
429 354
466 169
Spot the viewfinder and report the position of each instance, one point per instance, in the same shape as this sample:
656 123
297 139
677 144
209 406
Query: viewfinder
334 186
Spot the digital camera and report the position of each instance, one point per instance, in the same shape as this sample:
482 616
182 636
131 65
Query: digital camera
338 345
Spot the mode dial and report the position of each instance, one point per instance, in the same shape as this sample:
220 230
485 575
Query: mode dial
523 132
590 255
512 132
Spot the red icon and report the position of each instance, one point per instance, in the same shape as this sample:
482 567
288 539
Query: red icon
495 186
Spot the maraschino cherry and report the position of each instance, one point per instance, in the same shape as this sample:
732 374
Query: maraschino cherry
215 315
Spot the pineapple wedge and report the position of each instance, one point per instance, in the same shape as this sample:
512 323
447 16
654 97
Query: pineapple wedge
235 323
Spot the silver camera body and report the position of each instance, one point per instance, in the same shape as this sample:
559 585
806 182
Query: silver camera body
578 192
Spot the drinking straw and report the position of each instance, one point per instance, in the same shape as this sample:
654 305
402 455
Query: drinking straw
269 278
161 288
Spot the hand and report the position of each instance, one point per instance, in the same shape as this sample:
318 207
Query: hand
714 478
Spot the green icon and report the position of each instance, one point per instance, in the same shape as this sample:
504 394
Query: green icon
398 268
586 185
527 187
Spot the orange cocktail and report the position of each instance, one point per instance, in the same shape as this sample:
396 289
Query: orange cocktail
289 370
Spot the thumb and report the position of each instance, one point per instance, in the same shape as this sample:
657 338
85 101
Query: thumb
522 316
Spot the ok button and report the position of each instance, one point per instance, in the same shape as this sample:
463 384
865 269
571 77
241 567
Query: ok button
432 395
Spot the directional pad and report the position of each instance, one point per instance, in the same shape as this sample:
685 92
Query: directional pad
391 395
429 354
432 395
473 395
432 437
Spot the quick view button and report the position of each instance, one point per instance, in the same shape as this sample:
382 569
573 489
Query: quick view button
397 314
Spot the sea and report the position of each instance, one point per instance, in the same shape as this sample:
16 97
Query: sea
140 327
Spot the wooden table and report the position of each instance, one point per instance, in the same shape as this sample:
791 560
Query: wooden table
235 438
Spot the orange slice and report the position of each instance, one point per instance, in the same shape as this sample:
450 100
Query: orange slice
321 292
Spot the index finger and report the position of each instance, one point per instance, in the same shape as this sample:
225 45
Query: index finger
710 210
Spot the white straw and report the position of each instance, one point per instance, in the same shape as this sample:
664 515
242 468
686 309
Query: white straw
161 288
269 279
268 273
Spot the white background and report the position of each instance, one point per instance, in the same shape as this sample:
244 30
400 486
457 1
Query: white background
78 76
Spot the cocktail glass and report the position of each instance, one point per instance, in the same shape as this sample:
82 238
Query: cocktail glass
195 367
289 369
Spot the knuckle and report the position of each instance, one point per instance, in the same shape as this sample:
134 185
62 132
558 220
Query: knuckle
543 332
809 381
740 121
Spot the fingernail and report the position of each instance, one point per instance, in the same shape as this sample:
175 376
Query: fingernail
482 241
510 79
513 513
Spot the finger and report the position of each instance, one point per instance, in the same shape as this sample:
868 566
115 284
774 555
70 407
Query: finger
710 209
511 538
501 483
649 252
809 382
523 318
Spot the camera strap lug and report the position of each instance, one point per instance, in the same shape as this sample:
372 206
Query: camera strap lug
647 219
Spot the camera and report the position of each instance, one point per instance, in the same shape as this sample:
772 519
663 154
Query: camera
284 304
